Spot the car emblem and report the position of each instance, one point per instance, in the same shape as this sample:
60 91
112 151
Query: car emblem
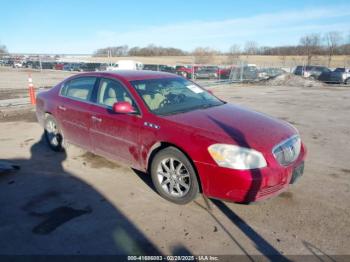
151 125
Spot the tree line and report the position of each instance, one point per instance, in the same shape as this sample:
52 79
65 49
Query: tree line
3 50
150 50
328 44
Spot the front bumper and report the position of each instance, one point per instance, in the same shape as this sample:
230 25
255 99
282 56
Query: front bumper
246 186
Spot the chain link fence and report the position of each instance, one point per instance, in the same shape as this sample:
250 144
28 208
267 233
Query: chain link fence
241 69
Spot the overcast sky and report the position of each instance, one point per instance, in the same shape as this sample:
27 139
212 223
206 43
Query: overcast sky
80 27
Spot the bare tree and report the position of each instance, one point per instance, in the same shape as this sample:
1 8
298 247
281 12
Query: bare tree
134 51
233 54
332 40
3 50
204 55
150 50
251 48
310 46
113 51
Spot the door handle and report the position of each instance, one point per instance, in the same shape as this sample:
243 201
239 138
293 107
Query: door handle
62 108
96 119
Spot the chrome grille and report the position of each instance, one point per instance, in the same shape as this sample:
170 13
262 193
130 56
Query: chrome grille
287 151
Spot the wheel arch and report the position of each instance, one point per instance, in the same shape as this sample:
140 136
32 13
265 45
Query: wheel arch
158 146
45 115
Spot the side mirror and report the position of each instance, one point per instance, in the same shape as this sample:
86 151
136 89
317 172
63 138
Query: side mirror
123 108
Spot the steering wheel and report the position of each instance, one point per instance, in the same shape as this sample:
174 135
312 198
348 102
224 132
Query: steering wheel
164 102
172 99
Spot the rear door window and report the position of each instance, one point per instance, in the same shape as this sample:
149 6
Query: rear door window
79 88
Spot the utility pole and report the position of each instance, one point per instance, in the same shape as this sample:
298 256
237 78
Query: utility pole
41 66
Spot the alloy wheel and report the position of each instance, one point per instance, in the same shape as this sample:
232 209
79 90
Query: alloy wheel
173 177
52 132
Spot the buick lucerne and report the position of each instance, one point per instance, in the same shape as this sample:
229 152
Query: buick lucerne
187 139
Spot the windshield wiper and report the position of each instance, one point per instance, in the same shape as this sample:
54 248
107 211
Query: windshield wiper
190 109
179 111
208 105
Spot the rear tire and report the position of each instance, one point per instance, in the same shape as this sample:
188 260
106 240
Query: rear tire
53 134
174 176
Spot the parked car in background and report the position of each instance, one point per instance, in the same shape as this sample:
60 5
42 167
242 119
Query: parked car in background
224 72
161 68
8 62
340 75
207 72
125 65
312 72
39 65
186 138
112 67
186 70
30 64
59 66
168 69
266 73
17 64
47 65
72 67
151 67
102 67
90 67
245 73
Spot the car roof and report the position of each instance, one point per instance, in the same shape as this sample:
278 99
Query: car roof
131 75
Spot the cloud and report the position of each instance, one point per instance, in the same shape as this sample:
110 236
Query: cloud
269 29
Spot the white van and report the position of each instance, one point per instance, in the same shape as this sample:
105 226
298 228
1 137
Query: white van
125 65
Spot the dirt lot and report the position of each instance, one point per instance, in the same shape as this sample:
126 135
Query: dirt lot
14 83
18 78
77 203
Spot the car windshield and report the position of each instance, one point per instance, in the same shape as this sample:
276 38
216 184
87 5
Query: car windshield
166 96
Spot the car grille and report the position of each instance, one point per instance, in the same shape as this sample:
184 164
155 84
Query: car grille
269 190
287 151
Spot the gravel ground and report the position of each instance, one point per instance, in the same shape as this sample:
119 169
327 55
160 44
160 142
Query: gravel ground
291 80
78 203
11 78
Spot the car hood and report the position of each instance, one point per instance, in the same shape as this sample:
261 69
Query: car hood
234 124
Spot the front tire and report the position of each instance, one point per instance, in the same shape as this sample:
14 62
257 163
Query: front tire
312 77
174 177
53 135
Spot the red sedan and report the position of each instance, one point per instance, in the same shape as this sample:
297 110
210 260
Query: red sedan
186 138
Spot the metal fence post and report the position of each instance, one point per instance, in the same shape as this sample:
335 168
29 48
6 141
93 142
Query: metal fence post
241 72
41 66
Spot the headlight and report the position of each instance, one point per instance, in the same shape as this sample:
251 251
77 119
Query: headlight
236 157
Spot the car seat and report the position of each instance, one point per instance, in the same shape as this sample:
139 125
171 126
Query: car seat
115 93
152 98
110 95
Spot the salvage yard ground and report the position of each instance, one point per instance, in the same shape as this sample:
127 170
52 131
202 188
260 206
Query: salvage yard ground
78 203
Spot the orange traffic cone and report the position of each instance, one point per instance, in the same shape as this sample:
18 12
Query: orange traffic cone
31 90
